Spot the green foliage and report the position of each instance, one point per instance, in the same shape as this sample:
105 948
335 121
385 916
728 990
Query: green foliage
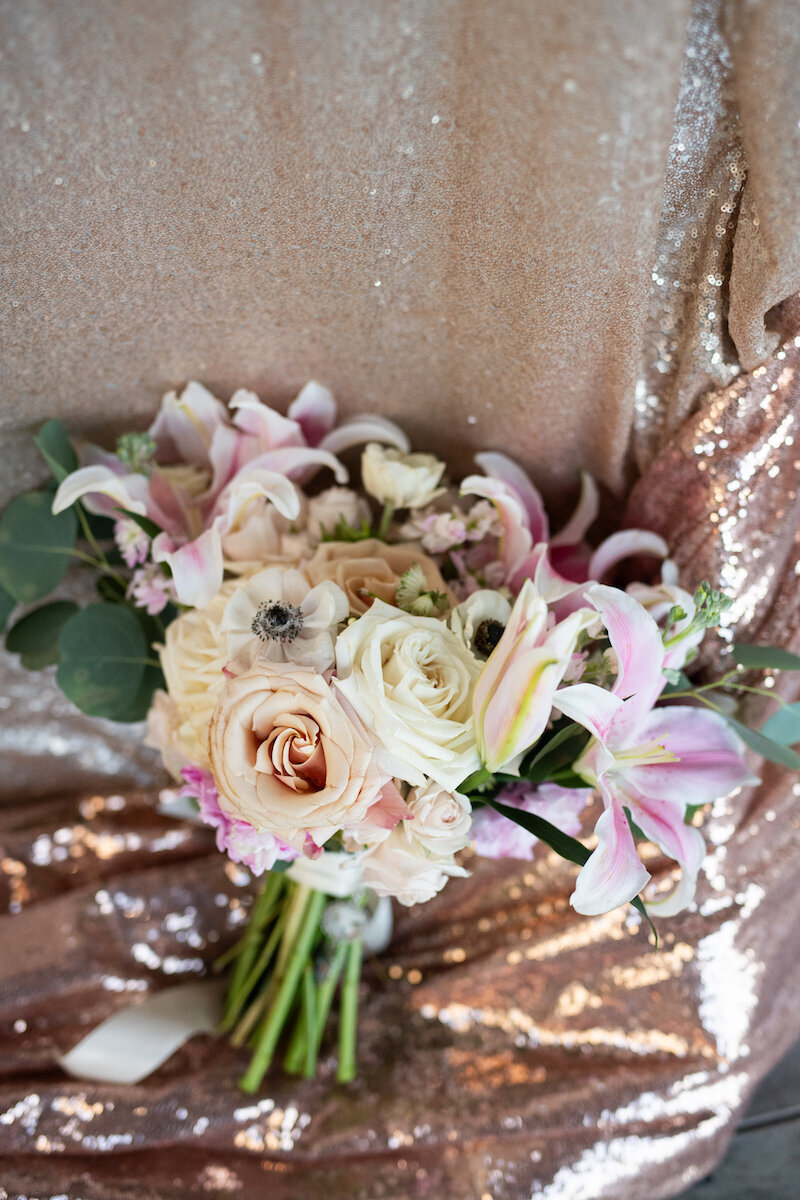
52 442
7 606
137 709
765 658
35 636
35 546
783 726
342 532
104 653
764 745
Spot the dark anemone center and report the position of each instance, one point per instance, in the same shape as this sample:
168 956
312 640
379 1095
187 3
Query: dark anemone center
487 635
277 621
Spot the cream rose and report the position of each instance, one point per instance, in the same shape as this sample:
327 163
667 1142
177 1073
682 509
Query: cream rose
440 820
411 682
402 480
364 570
401 867
193 657
287 757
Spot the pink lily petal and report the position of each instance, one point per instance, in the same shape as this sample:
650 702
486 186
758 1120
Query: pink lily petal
314 410
613 874
623 545
196 567
224 455
584 515
298 462
270 429
498 466
663 824
710 760
516 542
589 705
636 641
366 427
167 505
185 425
105 491
549 583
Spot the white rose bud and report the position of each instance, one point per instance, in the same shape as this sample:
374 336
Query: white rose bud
400 480
440 820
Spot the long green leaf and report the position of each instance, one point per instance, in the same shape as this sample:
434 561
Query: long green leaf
765 746
564 735
784 725
766 658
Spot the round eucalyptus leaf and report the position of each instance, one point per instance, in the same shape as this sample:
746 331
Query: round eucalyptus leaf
103 658
34 546
52 442
7 606
35 636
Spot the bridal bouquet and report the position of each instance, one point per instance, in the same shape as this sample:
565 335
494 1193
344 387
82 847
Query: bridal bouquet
352 686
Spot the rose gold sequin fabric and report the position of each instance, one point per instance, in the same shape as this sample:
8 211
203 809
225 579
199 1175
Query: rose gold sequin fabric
450 213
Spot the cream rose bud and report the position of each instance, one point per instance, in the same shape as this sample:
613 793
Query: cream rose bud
440 820
334 505
400 866
402 480
411 682
287 757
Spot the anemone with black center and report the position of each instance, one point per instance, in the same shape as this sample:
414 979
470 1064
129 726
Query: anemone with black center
277 621
487 635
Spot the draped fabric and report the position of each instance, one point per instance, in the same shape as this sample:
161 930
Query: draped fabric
568 232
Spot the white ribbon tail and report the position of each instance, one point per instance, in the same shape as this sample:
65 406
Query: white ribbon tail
132 1043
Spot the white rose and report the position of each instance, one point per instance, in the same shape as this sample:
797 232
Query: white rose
401 867
335 504
411 682
440 820
402 480
484 608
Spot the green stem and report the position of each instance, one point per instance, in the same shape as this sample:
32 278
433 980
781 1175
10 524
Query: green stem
236 1000
325 993
287 980
309 1022
245 950
348 1015
385 521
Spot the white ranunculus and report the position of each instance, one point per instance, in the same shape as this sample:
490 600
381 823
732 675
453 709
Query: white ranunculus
277 616
483 606
440 820
411 682
402 480
400 866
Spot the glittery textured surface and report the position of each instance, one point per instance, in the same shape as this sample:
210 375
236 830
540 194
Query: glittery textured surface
451 205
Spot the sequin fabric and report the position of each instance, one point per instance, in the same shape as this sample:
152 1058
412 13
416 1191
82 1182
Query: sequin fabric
514 241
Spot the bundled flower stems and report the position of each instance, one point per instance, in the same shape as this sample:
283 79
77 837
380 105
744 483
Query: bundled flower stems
352 686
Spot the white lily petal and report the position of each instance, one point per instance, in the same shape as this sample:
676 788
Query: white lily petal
613 874
314 410
365 427
123 489
197 567
584 515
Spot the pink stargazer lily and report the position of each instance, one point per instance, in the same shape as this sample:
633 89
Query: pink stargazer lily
514 694
525 540
654 762
213 468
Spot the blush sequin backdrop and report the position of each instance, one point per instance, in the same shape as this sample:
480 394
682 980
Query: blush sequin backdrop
562 230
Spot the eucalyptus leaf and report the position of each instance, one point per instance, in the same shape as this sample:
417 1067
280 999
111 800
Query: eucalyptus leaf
139 706
766 658
52 442
764 745
103 658
35 636
35 546
7 606
784 725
